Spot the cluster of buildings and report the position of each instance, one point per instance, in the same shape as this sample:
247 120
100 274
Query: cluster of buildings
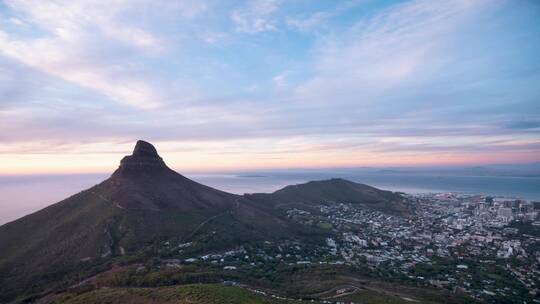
483 246
487 247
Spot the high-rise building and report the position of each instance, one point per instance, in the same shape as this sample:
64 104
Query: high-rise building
505 214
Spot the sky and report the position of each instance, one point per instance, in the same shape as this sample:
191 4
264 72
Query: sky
263 84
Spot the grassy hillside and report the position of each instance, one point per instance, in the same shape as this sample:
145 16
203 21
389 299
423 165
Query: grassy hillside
74 238
192 294
339 191
209 294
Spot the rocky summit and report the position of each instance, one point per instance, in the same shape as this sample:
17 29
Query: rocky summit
144 155
143 181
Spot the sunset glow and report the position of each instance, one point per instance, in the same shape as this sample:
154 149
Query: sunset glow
268 84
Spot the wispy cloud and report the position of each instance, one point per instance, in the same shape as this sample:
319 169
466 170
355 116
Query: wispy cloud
90 44
308 22
400 45
256 16
354 81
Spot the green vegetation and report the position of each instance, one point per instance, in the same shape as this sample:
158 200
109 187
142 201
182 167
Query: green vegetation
192 294
209 294
324 225
372 297
340 190
526 228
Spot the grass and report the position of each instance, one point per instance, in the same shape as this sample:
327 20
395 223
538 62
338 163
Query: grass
203 294
193 294
324 225
200 284
372 297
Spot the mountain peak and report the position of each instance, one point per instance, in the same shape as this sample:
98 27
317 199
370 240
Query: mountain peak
144 155
144 182
144 148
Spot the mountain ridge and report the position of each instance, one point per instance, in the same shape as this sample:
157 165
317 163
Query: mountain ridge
142 203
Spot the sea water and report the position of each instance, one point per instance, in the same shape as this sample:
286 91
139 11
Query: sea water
21 195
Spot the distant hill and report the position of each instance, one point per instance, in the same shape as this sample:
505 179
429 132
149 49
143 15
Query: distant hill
144 203
339 190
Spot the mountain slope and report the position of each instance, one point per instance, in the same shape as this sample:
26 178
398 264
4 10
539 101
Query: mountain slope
143 204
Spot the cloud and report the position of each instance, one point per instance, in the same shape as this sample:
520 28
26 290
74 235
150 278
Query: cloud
119 87
371 82
256 16
280 80
90 44
397 46
311 21
16 21
525 125
308 23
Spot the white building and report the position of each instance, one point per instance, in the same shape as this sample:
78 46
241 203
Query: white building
505 214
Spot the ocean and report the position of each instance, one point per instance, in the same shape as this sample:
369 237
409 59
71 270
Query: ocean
24 194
